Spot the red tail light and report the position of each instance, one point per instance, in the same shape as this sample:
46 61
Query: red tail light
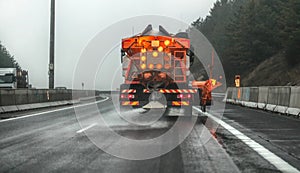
130 96
184 96
127 96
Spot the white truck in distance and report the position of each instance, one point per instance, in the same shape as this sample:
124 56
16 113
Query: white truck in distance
8 78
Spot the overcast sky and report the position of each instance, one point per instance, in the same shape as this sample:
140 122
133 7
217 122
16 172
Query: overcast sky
24 29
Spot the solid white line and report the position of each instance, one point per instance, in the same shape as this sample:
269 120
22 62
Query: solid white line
86 128
275 160
223 94
56 110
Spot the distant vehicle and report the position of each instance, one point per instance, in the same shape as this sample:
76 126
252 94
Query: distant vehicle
8 78
60 88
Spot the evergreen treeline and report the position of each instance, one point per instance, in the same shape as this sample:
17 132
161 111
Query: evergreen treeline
6 60
247 32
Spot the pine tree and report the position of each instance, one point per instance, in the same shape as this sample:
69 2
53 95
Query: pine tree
6 60
247 32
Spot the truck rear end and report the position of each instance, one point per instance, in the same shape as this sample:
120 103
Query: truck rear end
156 71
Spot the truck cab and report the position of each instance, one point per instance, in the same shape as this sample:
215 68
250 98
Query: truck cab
8 78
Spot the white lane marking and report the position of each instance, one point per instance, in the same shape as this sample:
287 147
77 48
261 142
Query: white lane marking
275 160
86 128
222 94
56 110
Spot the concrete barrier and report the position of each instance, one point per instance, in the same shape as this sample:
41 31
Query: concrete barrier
263 93
239 95
67 94
245 94
254 91
294 105
253 98
228 95
7 97
272 98
283 101
12 108
23 107
24 96
21 96
24 99
53 95
36 105
37 96
232 96
284 96
295 97
234 93
33 96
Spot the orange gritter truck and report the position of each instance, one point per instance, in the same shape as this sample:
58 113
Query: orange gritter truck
155 65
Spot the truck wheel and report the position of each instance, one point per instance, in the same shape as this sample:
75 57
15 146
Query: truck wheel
203 108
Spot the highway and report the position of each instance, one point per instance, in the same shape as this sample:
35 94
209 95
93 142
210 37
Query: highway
52 140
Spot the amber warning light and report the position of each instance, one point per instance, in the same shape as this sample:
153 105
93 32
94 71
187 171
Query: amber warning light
237 81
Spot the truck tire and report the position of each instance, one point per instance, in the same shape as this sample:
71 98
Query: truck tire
203 108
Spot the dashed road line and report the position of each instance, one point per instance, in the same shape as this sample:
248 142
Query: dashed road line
275 160
86 128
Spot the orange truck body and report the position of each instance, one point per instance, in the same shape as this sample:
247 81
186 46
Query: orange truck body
156 61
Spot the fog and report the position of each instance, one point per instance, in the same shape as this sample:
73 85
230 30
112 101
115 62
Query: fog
24 31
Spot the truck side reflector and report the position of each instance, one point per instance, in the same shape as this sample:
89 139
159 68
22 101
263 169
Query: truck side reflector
180 103
130 103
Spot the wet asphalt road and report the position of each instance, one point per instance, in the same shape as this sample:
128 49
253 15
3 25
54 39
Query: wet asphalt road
56 142
278 133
